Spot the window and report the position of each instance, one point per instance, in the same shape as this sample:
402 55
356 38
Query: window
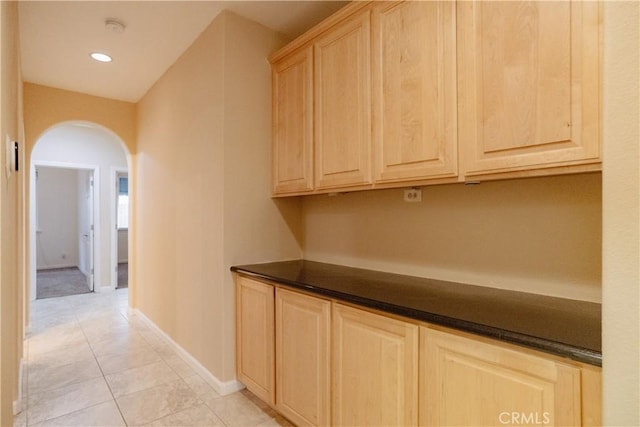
123 203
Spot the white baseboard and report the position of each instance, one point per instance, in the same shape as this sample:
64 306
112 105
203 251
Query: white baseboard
221 387
18 404
56 267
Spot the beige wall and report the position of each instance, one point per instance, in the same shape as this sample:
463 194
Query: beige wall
540 235
203 168
180 181
621 215
11 302
46 107
257 228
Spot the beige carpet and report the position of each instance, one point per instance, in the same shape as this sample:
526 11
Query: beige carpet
60 282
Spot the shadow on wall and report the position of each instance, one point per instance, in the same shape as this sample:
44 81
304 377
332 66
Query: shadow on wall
290 209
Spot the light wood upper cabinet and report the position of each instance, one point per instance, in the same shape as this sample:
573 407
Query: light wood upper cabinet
375 369
292 150
255 337
400 93
414 90
528 84
302 357
470 382
343 104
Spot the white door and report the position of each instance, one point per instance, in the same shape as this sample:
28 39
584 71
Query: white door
86 225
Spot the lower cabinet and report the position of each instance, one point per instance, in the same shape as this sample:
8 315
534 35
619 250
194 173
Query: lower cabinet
375 369
302 357
591 385
469 382
254 337
321 362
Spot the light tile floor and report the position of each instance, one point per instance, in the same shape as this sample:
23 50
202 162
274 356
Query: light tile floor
91 363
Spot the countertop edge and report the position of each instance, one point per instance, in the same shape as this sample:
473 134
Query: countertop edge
578 354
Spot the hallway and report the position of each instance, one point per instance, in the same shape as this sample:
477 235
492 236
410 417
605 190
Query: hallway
92 363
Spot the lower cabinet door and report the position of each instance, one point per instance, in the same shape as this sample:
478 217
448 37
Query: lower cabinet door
375 369
302 357
254 337
470 382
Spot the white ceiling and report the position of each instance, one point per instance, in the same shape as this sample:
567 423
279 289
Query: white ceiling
56 38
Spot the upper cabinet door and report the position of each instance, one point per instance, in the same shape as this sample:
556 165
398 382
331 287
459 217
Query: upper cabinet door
528 84
414 90
292 152
343 104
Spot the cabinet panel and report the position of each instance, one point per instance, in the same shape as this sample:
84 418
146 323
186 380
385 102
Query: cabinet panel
414 90
343 104
468 382
255 337
302 357
292 151
591 396
375 371
528 84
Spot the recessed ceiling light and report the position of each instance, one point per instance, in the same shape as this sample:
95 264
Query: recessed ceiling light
102 57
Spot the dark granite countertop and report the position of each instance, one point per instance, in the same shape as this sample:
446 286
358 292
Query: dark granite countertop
558 326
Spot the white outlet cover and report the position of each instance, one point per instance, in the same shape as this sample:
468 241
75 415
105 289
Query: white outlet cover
413 195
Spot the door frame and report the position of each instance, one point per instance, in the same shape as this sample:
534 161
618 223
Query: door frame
91 235
32 217
115 172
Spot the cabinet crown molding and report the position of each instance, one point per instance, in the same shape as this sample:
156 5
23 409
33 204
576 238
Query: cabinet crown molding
318 29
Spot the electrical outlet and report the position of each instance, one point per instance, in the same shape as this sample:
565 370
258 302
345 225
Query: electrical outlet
413 195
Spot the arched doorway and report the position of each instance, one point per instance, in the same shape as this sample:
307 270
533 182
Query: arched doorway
100 160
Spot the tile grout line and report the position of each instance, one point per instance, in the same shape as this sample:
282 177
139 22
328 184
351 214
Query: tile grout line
180 378
128 320
95 357
86 313
75 323
174 353
28 370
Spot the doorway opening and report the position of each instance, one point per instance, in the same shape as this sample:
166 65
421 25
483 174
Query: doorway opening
64 204
95 157
121 256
